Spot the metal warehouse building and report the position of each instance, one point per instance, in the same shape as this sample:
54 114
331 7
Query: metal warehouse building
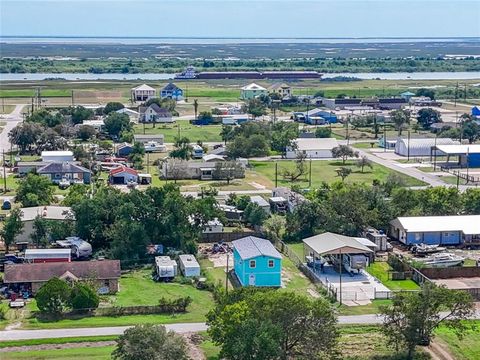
420 147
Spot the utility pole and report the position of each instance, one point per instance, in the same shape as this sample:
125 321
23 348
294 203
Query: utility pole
408 146
435 154
465 93
4 174
276 174
73 101
226 274
148 162
456 94
310 175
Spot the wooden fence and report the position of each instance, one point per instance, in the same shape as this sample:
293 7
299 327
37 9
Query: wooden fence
461 175
227 236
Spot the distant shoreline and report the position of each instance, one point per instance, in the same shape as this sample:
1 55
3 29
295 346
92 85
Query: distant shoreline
25 39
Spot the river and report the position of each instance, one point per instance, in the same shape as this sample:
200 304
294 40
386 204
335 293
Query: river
364 76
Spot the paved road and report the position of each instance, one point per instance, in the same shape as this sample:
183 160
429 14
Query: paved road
11 121
368 319
5 335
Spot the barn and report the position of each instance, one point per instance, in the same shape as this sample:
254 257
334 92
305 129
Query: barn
123 175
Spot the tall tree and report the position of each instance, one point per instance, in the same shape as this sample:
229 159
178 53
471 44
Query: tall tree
195 107
413 317
112 106
34 190
183 149
228 170
25 135
344 152
12 227
116 124
427 116
364 161
274 325
150 342
400 118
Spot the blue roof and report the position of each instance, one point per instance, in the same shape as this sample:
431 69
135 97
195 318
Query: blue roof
250 247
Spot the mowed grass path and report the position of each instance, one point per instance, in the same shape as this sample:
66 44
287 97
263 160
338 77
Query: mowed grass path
467 348
325 171
91 353
206 133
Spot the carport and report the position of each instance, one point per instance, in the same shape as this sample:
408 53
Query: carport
317 246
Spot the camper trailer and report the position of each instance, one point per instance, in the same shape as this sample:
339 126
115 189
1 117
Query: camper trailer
189 265
80 249
166 268
47 255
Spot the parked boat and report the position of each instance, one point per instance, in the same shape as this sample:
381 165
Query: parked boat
424 249
443 260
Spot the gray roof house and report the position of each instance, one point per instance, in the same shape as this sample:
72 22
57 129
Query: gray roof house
154 113
56 171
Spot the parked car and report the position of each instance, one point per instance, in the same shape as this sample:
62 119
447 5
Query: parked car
6 205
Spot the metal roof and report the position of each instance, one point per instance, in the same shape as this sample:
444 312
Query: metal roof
309 144
468 224
426 142
188 261
47 212
254 86
143 87
459 149
260 201
251 246
331 243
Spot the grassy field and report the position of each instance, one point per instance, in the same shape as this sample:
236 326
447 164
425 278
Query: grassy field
67 340
297 248
293 278
6 109
207 133
380 271
324 171
215 275
372 308
91 353
137 288
467 348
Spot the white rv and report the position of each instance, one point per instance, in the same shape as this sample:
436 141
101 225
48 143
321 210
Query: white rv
166 268
189 265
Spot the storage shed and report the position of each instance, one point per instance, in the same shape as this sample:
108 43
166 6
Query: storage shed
123 175
47 255
420 147
189 265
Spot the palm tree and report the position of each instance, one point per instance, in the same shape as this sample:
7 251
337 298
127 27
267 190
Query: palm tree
195 107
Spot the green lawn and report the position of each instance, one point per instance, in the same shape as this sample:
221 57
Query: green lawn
216 275
324 171
17 93
67 340
380 271
293 278
210 350
206 133
467 348
372 308
137 288
91 353
297 248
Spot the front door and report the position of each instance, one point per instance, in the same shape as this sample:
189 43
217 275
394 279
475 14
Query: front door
251 280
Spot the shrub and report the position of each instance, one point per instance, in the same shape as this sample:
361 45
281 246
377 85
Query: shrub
84 297
54 296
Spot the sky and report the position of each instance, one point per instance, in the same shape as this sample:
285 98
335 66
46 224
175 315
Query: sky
228 18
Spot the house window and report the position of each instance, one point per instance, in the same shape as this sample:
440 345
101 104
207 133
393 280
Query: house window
253 264
271 263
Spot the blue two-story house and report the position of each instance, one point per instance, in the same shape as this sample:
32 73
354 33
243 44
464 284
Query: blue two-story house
171 91
257 262
436 230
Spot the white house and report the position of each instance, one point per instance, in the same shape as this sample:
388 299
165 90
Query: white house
420 147
142 93
154 113
313 148
251 91
96 124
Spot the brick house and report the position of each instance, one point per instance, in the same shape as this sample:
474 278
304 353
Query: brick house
32 276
